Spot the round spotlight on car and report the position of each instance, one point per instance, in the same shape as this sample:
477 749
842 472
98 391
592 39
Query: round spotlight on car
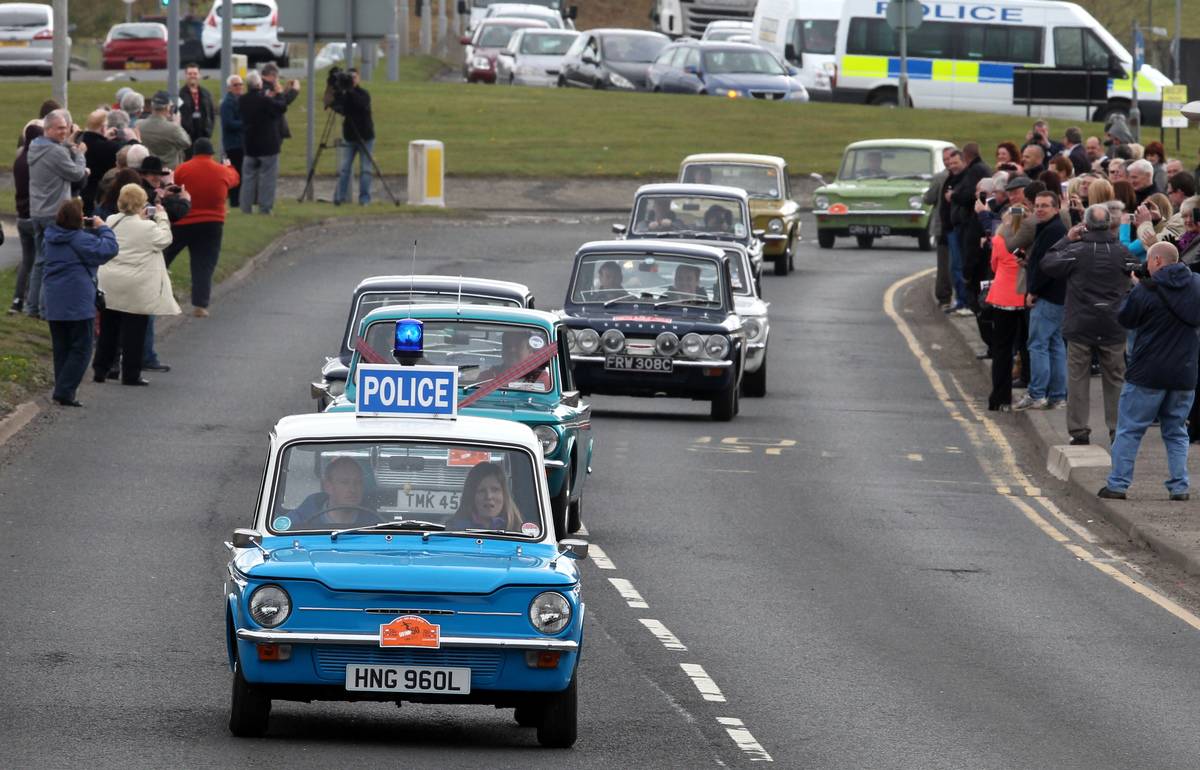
753 329
775 225
717 346
916 202
666 344
613 341
821 202
589 341
550 612
692 345
270 606
548 437
572 340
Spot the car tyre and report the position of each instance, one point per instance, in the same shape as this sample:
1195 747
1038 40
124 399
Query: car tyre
825 239
865 241
924 241
527 716
283 61
249 711
781 264
562 82
559 507
754 384
725 405
559 726
574 516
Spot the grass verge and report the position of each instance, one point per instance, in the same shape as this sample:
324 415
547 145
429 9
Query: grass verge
25 364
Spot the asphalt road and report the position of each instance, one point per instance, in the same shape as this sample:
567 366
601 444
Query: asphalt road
832 568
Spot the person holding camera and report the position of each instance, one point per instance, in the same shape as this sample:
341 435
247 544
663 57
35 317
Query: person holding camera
1160 384
263 132
72 256
353 103
1096 268
161 132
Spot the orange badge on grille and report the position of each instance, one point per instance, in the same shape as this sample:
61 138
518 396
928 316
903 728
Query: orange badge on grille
467 458
410 631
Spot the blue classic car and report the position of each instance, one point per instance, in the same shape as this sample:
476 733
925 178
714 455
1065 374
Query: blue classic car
650 318
354 582
483 341
383 290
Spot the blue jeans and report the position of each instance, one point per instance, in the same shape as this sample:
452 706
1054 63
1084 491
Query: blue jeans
954 241
1047 352
34 297
346 152
1138 408
149 354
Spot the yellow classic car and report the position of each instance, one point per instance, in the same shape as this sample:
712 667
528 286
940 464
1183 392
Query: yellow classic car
765 180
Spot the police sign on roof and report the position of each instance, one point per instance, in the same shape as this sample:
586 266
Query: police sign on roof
389 390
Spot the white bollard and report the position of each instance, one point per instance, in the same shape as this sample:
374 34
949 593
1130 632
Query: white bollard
238 66
426 173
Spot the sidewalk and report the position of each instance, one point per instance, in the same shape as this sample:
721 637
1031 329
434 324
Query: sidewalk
1171 530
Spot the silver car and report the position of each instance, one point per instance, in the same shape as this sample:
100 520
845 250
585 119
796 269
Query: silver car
533 57
27 37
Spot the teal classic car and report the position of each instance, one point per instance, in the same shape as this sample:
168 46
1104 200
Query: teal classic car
485 342
879 190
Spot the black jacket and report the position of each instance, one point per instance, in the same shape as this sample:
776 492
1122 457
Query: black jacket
1167 343
101 155
355 106
1036 282
944 209
1096 269
962 197
197 125
1079 160
262 123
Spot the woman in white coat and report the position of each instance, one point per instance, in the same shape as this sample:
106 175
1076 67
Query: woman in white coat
135 283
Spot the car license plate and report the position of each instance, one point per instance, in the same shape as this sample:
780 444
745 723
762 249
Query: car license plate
137 65
870 230
244 27
447 681
656 364
427 500
14 44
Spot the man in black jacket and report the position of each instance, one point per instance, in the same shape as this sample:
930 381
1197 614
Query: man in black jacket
358 138
955 166
1096 268
1075 151
1047 295
1160 384
196 113
262 139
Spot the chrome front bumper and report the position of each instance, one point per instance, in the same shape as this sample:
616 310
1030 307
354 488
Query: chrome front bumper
504 643
706 364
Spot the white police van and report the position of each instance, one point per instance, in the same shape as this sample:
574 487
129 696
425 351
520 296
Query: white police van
961 57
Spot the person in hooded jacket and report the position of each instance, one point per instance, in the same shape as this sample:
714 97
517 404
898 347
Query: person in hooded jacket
33 129
69 279
1160 382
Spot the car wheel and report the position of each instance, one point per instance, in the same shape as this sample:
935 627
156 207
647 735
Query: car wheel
559 506
754 384
559 726
562 82
248 710
825 239
574 516
725 405
781 264
283 61
865 241
791 252
527 716
924 241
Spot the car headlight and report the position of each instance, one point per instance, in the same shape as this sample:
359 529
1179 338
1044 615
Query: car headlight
270 606
481 63
667 344
775 225
798 95
589 341
716 346
613 341
337 387
549 438
916 202
821 202
550 612
753 328
692 345
572 340
620 81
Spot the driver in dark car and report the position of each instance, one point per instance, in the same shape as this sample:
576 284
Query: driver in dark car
339 504
686 284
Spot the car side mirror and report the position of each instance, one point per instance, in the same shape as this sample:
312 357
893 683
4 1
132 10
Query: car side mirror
248 538
570 398
573 12
692 69
575 549
619 228
789 53
1115 68
759 234
465 40
793 71
319 390
817 178
589 58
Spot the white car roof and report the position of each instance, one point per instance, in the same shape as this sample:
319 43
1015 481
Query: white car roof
685 188
348 426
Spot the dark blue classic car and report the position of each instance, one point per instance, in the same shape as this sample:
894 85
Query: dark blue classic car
649 318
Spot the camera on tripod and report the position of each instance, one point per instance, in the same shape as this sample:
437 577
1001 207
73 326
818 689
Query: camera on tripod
338 84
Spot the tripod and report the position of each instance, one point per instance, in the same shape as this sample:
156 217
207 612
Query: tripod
326 133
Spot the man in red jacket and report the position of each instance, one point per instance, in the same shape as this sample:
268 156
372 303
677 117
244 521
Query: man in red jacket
200 231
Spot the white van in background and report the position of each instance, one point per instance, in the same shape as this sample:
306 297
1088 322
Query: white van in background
478 9
689 18
961 57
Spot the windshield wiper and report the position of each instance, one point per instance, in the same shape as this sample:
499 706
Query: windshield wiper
473 385
622 298
480 532
683 301
406 524
909 176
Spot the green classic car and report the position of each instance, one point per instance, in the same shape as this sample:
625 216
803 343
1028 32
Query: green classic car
765 180
879 190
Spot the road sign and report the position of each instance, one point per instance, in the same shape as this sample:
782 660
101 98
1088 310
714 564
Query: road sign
1174 98
369 19
390 390
904 14
1139 51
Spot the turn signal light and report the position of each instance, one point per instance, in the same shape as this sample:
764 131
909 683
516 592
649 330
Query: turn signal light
535 659
839 208
270 651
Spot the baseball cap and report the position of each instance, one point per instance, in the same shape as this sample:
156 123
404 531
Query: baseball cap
160 99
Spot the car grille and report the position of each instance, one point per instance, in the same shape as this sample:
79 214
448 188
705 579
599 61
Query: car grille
435 476
485 665
767 94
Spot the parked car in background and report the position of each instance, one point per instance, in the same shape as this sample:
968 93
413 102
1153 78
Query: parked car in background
134 46
481 47
26 37
476 10
611 58
553 18
335 53
731 70
255 31
725 29
191 32
533 57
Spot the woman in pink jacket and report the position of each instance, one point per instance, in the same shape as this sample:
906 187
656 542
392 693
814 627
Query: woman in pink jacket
1007 308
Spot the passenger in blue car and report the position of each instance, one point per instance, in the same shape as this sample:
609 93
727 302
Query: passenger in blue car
486 502
339 504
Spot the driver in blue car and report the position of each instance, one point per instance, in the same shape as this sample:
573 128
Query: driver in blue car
486 502
515 347
339 504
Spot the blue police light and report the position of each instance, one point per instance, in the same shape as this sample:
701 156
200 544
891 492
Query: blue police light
410 339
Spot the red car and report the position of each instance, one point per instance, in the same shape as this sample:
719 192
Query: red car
136 46
482 47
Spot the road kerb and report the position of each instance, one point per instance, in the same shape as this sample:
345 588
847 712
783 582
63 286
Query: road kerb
17 419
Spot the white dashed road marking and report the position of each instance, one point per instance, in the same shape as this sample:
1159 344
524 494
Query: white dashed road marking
744 740
704 683
599 557
629 593
668 639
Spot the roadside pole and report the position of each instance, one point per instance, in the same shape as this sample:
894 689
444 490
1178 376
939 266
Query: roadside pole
426 7
902 16
1139 57
60 53
310 96
903 100
226 44
443 43
173 49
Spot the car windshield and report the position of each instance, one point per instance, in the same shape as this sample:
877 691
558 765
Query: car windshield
741 62
373 300
887 163
17 18
138 32
687 216
482 351
633 48
615 278
495 35
757 181
555 4
718 35
396 486
551 21
252 11
546 44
